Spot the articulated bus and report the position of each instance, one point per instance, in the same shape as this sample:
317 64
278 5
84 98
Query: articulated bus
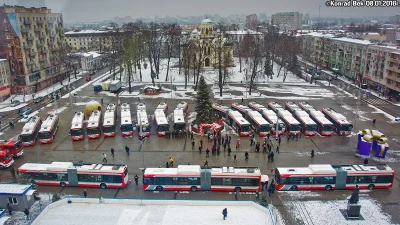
143 123
163 106
342 126
30 131
292 107
309 127
331 177
270 116
126 121
258 123
109 129
221 111
239 124
324 126
179 120
197 178
93 129
161 122
306 106
241 108
292 125
48 128
77 131
274 106
184 106
76 175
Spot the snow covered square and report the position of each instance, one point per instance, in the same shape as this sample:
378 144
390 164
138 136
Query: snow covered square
152 212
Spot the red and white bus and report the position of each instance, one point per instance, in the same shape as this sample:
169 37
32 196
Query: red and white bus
309 127
291 124
6 159
342 126
76 175
13 146
260 126
109 129
77 131
126 120
196 178
239 124
184 106
163 106
93 129
270 116
274 106
292 107
179 120
324 126
306 106
221 111
161 122
48 128
241 108
30 131
331 177
142 123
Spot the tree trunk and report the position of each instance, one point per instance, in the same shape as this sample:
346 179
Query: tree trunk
169 58
129 77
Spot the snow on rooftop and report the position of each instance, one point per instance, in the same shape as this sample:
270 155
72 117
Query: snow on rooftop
13 188
153 212
87 32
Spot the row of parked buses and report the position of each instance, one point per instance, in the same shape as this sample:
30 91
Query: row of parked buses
274 118
197 178
179 118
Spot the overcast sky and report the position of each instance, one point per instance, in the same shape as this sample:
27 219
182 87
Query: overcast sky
97 10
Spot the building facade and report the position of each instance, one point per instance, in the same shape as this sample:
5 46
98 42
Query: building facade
32 40
89 40
4 79
287 20
17 196
252 22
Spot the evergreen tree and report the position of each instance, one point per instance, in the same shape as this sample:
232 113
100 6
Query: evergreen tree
203 103
267 66
294 65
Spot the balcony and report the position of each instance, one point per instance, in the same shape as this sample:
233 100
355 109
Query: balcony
39 22
27 47
38 29
394 60
44 51
29 63
27 22
50 43
31 38
395 69
42 36
50 21
40 44
52 35
32 54
24 30
58 28
42 59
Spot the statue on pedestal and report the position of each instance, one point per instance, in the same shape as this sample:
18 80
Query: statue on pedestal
355 196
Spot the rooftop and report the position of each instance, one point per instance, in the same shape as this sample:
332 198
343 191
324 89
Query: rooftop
14 189
87 32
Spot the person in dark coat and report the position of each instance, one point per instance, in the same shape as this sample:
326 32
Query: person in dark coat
206 163
246 155
9 208
208 152
136 177
234 158
112 152
193 144
271 188
85 193
200 147
269 157
127 149
225 213
365 161
272 156
277 149
279 140
312 153
201 142
229 151
26 211
374 121
167 164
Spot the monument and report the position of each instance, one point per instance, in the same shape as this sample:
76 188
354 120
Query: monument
353 207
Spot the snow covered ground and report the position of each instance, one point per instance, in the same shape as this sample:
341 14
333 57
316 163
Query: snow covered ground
123 212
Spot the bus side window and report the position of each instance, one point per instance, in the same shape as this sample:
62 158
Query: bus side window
193 181
216 181
351 180
227 181
148 181
117 178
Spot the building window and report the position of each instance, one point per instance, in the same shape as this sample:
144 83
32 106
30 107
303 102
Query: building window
12 201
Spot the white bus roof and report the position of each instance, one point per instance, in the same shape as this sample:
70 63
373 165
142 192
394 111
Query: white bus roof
307 120
142 116
141 106
179 116
160 117
364 168
270 114
302 113
30 126
111 107
69 165
162 105
306 106
257 106
48 122
336 116
77 120
319 116
238 117
311 169
274 105
94 119
196 170
258 118
221 108
125 106
239 107
182 105
292 105
286 115
109 118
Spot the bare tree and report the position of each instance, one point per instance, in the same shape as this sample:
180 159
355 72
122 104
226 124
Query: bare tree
172 32
256 60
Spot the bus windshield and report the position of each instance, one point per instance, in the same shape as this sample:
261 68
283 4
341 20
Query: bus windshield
265 128
76 132
327 128
312 127
347 127
91 131
126 127
162 128
179 126
109 129
45 135
245 128
295 127
26 137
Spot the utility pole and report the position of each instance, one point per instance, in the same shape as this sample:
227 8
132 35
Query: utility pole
319 17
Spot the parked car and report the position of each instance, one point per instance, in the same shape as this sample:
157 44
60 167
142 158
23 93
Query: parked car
39 99
25 111
88 78
15 103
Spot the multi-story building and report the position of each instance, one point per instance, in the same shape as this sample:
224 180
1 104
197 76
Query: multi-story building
32 40
289 20
4 79
90 40
252 21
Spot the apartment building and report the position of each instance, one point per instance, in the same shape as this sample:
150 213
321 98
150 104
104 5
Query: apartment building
4 79
90 40
291 20
32 39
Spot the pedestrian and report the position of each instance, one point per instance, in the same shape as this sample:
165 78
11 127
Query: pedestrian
136 177
271 188
112 152
279 140
127 149
269 157
85 193
288 137
229 139
246 155
102 101
206 163
104 157
26 211
191 135
251 141
12 171
265 149
201 143
277 149
207 152
297 136
192 144
224 146
365 161
312 153
374 121
229 151
234 158
225 213
258 147
242 100
171 162
257 196
209 136
218 150
9 209
237 143
167 165
292 137
200 149
272 156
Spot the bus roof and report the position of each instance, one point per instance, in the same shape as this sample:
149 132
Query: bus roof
77 120
274 105
257 106
141 106
306 106
221 108
238 117
196 170
292 106
182 105
257 117
94 119
162 106
125 106
302 113
142 116
160 117
363 168
241 108
30 126
111 106
48 122
336 116
287 116
109 118
307 120
179 116
311 169
63 166
320 117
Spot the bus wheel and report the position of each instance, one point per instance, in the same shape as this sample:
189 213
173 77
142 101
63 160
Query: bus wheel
193 188
328 187
294 188
159 188
103 186
371 186
238 189
63 184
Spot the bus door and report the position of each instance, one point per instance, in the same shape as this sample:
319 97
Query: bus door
72 177
205 179
341 176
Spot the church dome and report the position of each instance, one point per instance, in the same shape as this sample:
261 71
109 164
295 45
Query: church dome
195 31
206 21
